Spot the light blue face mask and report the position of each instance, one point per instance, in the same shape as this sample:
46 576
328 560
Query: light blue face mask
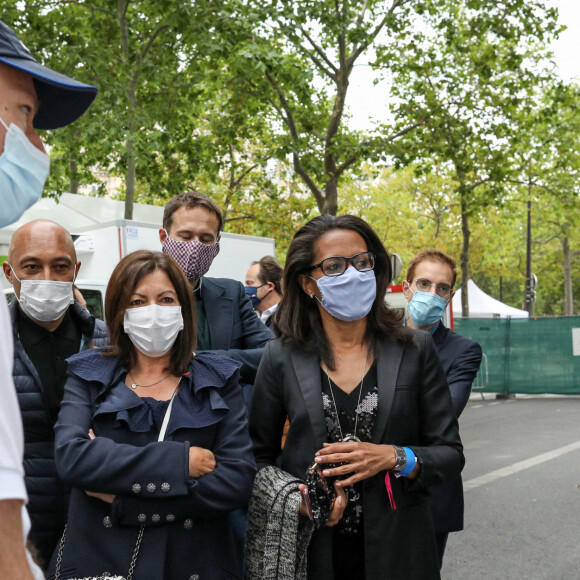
426 308
23 172
350 296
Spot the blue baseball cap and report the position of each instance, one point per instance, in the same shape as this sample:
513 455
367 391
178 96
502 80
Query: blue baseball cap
61 99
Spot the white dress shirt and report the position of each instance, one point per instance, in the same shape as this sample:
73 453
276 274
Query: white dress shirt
267 313
11 434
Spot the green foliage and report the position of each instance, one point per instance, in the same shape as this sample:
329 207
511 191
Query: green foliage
408 212
296 59
245 100
466 77
132 52
412 212
272 205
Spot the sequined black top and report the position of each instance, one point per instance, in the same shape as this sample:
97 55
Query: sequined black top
344 425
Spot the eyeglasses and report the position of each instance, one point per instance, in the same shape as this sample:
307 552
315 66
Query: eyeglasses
424 285
337 265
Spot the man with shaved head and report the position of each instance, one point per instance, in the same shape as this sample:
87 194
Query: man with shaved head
48 327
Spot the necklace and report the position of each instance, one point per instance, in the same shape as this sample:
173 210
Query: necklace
348 437
134 385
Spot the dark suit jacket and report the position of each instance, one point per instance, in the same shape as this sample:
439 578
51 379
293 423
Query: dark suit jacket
460 358
414 409
235 329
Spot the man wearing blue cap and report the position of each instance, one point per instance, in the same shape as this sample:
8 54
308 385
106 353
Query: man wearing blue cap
31 97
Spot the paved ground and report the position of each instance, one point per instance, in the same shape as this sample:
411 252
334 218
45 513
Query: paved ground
522 491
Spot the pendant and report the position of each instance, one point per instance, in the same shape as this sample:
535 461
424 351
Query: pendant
352 438
133 386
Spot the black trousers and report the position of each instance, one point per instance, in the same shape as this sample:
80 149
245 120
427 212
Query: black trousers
348 556
441 540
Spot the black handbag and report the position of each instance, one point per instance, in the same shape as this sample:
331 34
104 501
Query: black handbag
321 492
105 576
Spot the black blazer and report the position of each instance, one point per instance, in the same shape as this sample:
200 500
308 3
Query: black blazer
235 329
414 409
461 359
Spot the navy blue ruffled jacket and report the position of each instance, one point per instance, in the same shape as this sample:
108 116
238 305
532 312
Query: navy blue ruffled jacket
187 528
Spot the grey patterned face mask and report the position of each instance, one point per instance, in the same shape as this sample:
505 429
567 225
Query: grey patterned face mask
194 257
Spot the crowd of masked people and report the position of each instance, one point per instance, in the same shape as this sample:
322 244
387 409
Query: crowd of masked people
294 427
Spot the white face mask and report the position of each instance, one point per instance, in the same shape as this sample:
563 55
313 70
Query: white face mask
153 329
23 172
44 300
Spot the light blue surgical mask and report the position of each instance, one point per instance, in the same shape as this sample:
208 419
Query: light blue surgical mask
349 296
426 308
23 172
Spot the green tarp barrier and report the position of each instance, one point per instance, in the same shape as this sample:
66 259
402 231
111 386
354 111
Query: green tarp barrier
527 355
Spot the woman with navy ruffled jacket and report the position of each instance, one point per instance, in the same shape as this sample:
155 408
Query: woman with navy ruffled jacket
153 440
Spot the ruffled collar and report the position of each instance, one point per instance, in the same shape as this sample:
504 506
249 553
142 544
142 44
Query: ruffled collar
199 402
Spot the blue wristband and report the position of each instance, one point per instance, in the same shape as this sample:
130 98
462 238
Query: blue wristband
411 462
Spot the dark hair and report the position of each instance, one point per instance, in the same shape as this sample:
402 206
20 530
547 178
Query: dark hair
124 279
190 200
298 320
270 271
432 256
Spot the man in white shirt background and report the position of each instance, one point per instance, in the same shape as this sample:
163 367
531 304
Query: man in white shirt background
31 97
263 287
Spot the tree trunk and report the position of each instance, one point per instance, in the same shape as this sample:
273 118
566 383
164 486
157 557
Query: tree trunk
132 106
530 291
73 186
464 259
437 224
567 267
130 179
329 203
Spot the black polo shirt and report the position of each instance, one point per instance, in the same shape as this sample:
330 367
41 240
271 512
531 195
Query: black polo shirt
48 352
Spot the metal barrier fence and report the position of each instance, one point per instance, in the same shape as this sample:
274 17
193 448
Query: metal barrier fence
523 355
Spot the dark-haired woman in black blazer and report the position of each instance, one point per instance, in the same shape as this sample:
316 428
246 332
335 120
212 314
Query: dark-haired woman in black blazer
361 391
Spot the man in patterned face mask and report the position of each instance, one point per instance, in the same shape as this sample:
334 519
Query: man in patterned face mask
226 322
31 97
429 290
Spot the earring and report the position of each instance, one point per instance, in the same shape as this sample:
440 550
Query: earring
311 295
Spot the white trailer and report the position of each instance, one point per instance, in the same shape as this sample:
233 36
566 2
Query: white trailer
100 247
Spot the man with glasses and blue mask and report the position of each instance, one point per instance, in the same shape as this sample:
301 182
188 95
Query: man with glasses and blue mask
429 290
31 97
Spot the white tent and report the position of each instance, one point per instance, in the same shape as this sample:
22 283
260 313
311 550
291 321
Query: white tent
483 306
74 212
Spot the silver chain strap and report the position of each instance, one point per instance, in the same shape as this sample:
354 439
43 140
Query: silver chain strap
136 553
133 558
59 555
